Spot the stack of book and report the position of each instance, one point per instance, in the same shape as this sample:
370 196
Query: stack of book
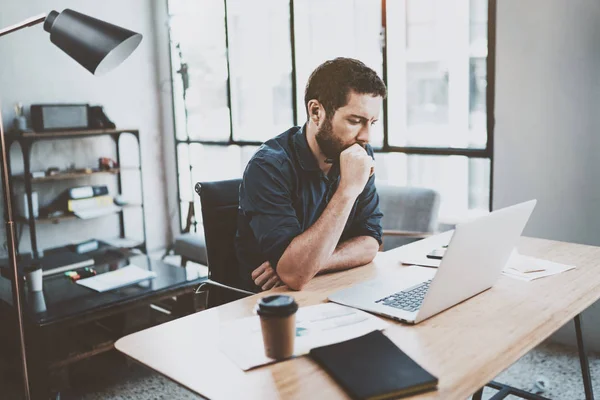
86 202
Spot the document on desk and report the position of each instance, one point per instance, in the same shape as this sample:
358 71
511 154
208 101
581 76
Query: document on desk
519 267
316 326
527 268
118 278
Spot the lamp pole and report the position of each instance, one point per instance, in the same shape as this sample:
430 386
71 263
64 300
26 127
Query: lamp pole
10 224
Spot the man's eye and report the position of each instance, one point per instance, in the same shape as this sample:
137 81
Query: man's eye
354 121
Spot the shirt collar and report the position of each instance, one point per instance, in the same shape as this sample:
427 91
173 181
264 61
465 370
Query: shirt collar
307 160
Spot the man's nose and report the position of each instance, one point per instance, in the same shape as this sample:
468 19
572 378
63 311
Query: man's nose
364 136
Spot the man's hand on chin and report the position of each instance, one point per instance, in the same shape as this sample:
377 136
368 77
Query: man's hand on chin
265 277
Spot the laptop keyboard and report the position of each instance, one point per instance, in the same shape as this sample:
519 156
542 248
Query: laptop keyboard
409 299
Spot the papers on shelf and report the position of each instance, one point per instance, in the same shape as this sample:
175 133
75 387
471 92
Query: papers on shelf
318 325
115 279
123 242
97 212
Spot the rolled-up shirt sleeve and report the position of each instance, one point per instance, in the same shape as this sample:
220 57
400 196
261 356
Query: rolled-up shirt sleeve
367 219
267 204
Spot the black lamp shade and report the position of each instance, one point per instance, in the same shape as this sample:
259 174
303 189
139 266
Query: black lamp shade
96 45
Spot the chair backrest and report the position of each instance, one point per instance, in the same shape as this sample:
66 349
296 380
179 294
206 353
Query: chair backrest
408 209
219 202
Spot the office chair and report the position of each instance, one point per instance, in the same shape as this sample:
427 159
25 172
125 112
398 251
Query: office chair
219 202
190 245
409 214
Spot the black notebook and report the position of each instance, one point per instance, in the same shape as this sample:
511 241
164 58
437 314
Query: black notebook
373 367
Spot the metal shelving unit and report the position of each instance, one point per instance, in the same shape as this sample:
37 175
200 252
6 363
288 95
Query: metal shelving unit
26 141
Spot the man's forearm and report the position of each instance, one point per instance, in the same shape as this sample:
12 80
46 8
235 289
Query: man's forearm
308 252
352 253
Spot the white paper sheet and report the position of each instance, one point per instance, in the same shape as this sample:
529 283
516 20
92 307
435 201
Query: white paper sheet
118 278
316 326
520 267
527 268
97 212
123 242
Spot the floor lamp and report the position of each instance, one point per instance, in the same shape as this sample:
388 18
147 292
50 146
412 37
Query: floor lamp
99 47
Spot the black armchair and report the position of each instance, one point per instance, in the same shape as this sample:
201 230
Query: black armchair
219 202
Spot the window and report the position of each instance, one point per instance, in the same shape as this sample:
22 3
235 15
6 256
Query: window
260 66
325 29
239 76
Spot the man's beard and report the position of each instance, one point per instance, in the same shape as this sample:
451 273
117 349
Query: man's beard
328 143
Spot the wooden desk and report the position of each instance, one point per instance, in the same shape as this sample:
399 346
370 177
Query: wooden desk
465 346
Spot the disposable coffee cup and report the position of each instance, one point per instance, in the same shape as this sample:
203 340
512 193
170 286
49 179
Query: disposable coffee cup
278 324
37 301
33 277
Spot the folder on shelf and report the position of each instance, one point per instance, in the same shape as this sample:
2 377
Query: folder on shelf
84 192
89 203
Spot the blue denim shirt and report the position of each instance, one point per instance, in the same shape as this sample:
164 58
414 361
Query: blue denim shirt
283 193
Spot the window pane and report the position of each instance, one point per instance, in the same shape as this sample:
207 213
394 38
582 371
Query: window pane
215 163
478 23
477 102
463 183
260 62
427 95
247 153
437 51
326 29
198 57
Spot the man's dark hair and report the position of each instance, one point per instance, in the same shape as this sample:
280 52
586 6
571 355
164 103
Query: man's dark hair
331 82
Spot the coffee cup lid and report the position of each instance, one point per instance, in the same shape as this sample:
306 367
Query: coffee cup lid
277 305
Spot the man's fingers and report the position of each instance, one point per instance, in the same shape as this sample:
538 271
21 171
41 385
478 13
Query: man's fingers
357 148
270 283
258 271
263 278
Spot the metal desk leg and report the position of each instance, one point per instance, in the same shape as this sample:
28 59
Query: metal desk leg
583 360
505 390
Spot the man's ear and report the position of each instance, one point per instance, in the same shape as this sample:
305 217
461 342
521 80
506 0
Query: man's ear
315 111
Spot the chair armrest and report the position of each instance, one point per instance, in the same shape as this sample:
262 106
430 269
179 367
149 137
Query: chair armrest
209 282
407 234
395 232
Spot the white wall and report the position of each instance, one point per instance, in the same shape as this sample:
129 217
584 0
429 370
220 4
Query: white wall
547 122
35 71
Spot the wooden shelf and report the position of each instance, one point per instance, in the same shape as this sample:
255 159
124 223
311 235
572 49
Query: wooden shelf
67 217
68 175
70 134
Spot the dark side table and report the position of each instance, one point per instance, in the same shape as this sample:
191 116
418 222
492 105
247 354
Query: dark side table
68 322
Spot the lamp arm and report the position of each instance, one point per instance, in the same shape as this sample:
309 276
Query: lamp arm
38 19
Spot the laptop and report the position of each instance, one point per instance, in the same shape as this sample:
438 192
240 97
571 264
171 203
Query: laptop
473 262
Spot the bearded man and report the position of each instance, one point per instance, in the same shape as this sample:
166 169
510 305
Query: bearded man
308 203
